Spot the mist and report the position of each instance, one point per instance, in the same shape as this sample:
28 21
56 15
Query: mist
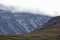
45 7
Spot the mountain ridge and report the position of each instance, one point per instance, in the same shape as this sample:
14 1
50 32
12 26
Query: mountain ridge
21 23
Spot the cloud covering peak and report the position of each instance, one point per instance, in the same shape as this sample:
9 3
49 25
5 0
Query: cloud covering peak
46 7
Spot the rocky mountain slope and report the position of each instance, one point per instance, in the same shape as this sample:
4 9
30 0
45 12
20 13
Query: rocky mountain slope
51 22
21 22
50 32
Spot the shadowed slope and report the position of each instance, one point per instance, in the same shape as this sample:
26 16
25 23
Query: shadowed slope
53 21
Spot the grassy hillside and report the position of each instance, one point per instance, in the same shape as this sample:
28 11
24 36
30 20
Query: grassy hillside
49 33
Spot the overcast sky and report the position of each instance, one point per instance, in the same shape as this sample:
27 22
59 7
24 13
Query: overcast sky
47 7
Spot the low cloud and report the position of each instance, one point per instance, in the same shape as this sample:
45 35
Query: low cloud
46 7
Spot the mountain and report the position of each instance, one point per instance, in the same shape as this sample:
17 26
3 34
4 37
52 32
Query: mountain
52 21
20 22
28 26
51 32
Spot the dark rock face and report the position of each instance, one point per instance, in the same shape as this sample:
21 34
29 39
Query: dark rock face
56 19
20 23
53 21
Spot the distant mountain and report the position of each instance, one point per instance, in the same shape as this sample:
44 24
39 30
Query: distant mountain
20 23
